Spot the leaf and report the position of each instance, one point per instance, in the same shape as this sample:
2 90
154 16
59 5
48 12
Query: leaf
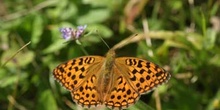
94 16
37 30
140 106
46 101
57 45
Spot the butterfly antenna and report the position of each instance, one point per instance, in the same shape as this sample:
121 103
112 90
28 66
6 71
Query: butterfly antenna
102 39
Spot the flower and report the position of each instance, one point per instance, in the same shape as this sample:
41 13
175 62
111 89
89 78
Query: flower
66 33
70 33
80 30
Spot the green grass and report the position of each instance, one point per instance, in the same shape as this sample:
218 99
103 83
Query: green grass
184 39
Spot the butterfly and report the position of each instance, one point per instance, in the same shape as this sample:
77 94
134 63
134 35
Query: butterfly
114 82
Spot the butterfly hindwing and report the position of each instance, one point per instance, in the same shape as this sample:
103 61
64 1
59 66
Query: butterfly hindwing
122 94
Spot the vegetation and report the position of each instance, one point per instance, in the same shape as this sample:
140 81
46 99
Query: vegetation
181 36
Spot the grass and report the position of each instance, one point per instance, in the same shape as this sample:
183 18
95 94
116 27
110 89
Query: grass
182 36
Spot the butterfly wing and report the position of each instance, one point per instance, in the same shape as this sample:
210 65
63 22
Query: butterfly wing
133 77
78 76
122 94
87 95
142 75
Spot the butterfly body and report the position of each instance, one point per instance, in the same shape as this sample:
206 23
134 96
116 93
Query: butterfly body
114 82
105 78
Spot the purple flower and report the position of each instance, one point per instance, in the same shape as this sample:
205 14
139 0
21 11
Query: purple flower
70 33
80 30
66 33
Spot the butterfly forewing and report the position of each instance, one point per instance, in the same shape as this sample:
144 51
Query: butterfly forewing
141 74
76 71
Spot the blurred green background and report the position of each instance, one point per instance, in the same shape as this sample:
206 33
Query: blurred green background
183 37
